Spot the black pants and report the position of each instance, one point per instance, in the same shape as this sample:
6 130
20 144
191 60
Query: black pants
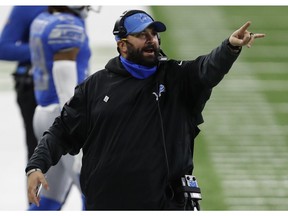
26 100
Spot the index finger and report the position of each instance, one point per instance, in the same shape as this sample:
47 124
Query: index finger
243 28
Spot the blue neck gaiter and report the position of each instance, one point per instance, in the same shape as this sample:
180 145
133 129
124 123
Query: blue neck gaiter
138 71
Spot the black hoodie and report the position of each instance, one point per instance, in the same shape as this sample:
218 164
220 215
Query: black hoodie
137 135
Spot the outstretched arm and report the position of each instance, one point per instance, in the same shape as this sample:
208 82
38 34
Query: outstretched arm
215 65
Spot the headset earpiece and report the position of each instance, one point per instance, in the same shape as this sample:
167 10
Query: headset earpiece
119 28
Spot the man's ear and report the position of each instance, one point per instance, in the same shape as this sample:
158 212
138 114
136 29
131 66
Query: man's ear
122 46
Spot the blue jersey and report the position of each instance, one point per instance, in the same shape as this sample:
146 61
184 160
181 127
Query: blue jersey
49 34
15 34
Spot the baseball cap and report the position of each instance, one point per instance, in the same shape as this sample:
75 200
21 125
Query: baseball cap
139 21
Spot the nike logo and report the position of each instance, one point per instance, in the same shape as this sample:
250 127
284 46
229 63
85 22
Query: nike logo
180 63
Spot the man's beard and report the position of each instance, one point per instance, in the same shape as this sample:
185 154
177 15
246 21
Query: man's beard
136 55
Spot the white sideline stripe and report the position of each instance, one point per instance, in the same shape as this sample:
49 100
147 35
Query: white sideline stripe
253 190
265 209
255 176
258 201
243 171
242 159
253 131
263 183
248 107
263 85
263 67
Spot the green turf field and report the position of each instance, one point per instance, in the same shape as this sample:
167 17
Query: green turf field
241 155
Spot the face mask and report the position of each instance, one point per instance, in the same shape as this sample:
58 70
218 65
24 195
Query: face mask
84 12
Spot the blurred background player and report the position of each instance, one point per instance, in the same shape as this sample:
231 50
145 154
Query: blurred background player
14 46
60 55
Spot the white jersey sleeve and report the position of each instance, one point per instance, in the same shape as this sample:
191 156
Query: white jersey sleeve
65 79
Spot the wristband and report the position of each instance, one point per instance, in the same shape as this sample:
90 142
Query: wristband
33 170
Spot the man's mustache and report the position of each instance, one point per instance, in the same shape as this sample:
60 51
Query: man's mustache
150 47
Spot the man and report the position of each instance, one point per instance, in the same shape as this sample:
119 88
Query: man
14 46
136 120
60 54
